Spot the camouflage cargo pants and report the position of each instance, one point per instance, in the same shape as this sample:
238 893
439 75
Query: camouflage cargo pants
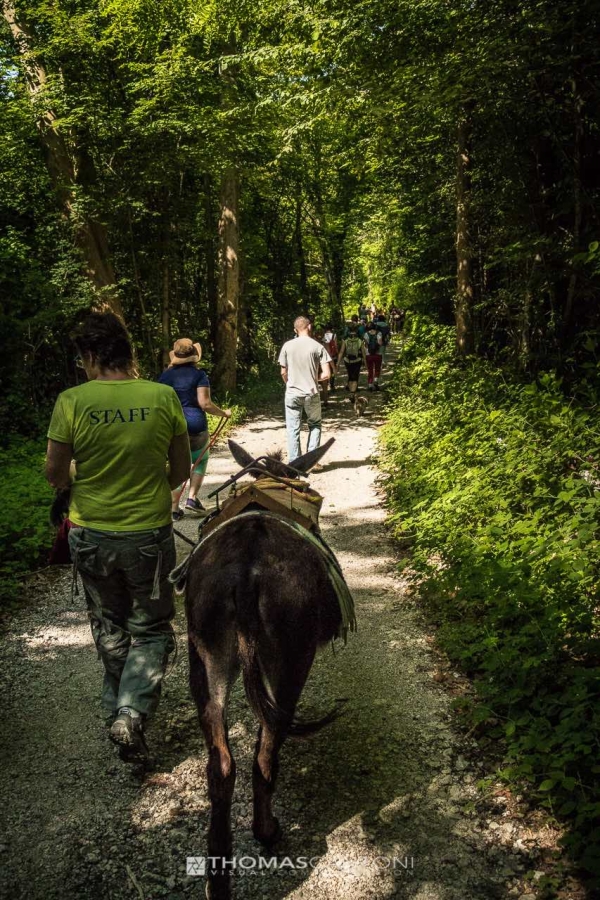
130 604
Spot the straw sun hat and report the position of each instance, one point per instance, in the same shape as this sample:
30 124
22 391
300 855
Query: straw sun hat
184 351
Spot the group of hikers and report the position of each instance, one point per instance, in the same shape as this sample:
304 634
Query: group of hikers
309 364
396 316
363 344
124 448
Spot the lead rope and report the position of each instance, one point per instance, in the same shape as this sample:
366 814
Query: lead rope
169 668
208 447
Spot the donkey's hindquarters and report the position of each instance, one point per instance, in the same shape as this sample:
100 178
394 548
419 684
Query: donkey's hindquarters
259 597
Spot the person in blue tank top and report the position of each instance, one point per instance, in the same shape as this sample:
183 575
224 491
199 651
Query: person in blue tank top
192 386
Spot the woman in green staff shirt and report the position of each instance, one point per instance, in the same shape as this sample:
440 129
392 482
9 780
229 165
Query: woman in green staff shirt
121 431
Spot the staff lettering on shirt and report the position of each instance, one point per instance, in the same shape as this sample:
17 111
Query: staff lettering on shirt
110 416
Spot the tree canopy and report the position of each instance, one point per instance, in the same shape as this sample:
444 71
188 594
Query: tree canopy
214 169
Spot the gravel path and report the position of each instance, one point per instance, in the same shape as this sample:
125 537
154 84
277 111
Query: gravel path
383 802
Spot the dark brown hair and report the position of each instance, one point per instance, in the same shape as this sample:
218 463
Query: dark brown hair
103 337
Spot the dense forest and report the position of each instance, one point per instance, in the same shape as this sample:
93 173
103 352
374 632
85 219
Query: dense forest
218 168
213 170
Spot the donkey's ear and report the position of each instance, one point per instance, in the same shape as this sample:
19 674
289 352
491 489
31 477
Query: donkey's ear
241 456
305 463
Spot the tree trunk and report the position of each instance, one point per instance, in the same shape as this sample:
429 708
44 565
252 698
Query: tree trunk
64 168
577 210
165 310
328 272
326 242
140 293
463 312
338 274
209 253
525 348
301 257
245 354
228 283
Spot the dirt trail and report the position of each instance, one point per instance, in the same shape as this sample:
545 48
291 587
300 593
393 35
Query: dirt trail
382 801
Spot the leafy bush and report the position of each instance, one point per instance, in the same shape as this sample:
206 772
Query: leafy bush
496 487
25 533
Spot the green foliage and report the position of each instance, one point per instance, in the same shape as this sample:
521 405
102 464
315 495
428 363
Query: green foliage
25 532
341 121
261 389
495 486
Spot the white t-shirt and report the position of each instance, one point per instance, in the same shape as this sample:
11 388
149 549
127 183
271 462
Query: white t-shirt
302 358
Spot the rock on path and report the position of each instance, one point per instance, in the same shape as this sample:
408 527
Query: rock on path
380 804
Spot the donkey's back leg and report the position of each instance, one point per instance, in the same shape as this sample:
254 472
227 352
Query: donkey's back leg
213 670
286 673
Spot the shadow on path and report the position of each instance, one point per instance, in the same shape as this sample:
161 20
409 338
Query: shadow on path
376 785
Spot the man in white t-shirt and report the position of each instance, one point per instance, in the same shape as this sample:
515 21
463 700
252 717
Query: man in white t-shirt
304 362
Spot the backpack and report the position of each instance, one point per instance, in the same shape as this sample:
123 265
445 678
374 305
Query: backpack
352 348
331 344
384 328
373 342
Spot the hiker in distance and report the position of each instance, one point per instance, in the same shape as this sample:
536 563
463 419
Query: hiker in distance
192 386
373 341
384 329
304 362
331 345
353 354
121 430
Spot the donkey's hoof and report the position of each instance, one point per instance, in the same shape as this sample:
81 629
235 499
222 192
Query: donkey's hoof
270 837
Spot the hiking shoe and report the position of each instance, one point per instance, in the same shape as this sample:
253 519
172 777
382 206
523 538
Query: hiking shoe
195 507
177 514
377 387
127 732
370 387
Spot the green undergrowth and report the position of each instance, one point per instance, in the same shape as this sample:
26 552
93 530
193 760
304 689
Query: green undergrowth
25 532
260 390
494 485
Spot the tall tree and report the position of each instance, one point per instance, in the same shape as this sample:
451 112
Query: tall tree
67 164
465 338
225 373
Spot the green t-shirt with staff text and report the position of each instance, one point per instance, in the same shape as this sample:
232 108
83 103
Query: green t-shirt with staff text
120 432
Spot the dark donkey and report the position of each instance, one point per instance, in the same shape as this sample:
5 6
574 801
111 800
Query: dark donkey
260 597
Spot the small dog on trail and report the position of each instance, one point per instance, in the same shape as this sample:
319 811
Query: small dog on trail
359 404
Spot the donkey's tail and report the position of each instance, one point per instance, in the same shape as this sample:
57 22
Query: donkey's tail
259 695
305 727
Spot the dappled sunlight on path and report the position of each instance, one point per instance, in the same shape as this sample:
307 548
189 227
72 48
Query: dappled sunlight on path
382 785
